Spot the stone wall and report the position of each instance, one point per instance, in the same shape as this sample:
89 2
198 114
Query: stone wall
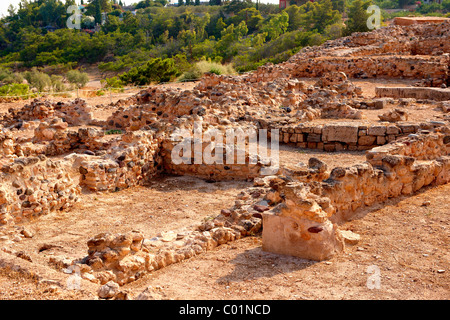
221 168
33 186
352 136
131 160
76 112
439 94
304 218
414 67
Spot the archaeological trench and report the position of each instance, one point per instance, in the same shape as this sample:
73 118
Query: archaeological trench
52 154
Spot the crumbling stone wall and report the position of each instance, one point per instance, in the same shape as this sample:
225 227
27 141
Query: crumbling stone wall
76 112
416 52
132 159
33 186
415 67
304 221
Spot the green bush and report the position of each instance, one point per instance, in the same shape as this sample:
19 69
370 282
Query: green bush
202 67
39 80
15 89
214 67
113 83
154 71
8 77
77 78
191 75
58 83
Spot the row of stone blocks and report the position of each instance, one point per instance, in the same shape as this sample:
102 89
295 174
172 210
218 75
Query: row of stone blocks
350 136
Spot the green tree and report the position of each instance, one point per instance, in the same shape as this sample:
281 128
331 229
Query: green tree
77 78
324 15
276 25
251 16
357 17
98 12
155 70
40 81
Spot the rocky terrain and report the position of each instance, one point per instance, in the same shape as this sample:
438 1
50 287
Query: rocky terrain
95 205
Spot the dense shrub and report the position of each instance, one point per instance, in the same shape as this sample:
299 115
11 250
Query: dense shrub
154 71
39 80
15 89
77 78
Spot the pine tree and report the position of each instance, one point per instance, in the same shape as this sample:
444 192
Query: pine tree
98 12
357 17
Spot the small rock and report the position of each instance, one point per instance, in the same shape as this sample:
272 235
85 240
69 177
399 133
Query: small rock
350 237
122 295
225 212
108 290
260 208
168 236
441 271
26 233
23 255
426 203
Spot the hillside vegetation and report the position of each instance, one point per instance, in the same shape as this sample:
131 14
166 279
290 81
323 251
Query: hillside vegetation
150 42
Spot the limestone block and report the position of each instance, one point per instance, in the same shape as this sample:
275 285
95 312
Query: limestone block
300 237
340 132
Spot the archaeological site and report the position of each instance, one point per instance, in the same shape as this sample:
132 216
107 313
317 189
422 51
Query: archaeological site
109 201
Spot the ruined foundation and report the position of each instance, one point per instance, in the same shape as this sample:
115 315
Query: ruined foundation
54 153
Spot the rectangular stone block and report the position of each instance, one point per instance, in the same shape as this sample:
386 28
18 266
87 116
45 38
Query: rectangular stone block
286 137
284 235
392 130
340 132
381 140
376 131
318 130
329 147
312 137
367 140
408 128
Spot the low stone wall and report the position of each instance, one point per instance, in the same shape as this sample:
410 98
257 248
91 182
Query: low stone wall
414 67
123 258
76 112
132 160
304 220
216 171
438 94
33 186
406 21
351 136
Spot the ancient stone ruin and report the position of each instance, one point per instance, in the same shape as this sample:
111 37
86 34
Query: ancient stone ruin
52 153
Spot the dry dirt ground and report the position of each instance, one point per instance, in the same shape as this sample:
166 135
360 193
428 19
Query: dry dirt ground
404 242
403 252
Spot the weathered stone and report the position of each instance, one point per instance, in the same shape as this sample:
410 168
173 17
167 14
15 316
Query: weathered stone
342 132
108 290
